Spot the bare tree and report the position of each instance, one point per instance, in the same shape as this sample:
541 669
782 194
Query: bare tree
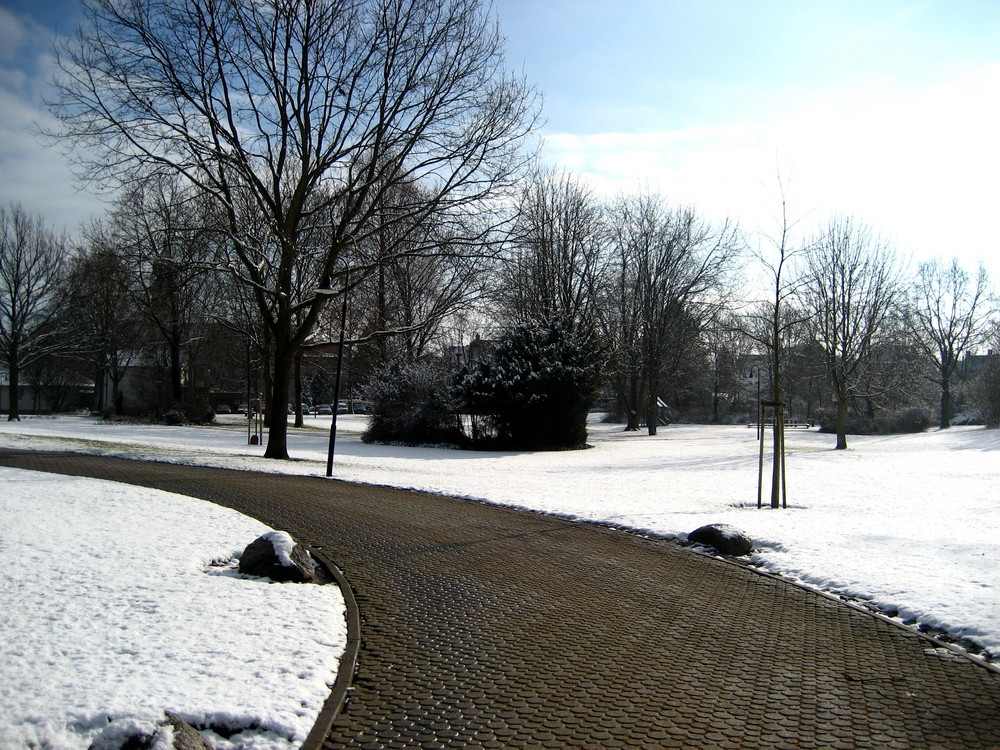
667 282
109 320
774 322
32 266
949 313
729 352
854 286
554 265
406 293
289 112
156 229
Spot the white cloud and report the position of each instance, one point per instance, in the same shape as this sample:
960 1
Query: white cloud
12 35
35 173
919 165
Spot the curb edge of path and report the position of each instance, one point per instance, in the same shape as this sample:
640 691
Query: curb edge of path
348 660
856 605
990 665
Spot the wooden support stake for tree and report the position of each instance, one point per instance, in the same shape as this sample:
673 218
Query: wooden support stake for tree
778 484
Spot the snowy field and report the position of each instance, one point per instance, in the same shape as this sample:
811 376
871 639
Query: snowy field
910 523
118 602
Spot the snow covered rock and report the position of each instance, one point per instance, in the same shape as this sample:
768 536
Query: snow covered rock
277 556
173 733
727 540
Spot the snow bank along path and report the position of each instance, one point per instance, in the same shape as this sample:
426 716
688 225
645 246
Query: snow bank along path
119 602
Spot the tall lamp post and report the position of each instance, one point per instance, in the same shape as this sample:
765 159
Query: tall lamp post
326 291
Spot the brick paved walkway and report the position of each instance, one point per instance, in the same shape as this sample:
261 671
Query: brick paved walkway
485 627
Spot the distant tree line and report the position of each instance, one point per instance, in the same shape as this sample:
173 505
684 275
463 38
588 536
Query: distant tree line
643 307
272 161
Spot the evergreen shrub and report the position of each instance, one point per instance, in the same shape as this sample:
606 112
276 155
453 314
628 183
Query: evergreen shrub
536 390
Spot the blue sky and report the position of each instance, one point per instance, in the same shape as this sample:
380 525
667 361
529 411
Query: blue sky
651 65
888 110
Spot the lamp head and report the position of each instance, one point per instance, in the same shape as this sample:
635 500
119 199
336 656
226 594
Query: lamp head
325 290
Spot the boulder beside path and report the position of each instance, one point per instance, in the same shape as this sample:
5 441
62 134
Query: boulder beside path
726 539
276 555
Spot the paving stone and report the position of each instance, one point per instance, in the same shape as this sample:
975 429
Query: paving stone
489 627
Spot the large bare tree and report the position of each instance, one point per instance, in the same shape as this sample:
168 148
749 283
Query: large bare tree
667 281
293 113
32 295
949 313
854 286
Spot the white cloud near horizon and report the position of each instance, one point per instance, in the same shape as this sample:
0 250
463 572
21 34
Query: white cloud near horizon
919 165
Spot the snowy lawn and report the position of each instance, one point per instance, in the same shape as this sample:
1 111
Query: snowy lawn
910 523
117 603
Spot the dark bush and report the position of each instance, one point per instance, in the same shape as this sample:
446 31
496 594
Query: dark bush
411 404
201 413
914 419
174 417
192 413
857 424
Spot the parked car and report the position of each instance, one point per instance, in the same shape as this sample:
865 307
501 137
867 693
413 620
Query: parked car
306 409
342 407
223 409
324 410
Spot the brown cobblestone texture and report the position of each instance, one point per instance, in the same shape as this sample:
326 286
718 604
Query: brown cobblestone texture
487 627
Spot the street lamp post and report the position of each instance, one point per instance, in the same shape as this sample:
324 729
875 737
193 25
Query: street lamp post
325 290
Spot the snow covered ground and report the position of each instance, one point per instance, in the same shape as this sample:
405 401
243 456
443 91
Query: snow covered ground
909 523
117 603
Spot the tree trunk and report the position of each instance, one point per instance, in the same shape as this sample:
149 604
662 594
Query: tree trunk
97 403
277 405
117 398
14 391
176 379
776 454
631 402
946 408
841 424
652 413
